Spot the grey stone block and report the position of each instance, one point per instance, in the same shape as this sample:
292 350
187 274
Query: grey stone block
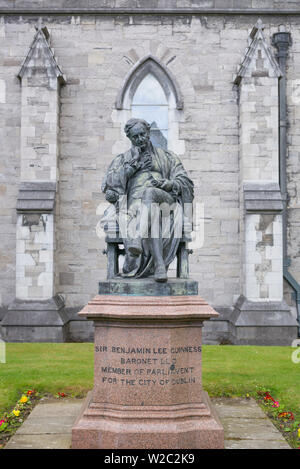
263 323
218 330
151 6
66 278
80 330
36 321
262 197
36 196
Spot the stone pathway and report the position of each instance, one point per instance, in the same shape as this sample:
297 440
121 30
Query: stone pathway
49 425
246 426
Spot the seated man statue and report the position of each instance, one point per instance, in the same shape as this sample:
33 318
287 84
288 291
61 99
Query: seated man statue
137 183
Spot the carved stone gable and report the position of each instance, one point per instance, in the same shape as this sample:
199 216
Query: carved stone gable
40 60
259 60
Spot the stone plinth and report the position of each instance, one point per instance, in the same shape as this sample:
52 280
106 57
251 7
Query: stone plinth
147 386
148 287
36 321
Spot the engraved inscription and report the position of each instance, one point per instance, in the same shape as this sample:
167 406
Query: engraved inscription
148 366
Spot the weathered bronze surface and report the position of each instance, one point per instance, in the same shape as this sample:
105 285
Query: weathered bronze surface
146 287
148 189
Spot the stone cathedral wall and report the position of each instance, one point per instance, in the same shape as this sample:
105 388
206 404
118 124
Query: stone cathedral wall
96 52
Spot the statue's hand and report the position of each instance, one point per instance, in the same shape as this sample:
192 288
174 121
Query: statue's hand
156 182
136 155
166 185
111 196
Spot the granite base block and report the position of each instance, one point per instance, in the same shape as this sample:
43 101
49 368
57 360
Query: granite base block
147 375
94 429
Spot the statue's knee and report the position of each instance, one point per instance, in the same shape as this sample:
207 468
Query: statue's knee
149 195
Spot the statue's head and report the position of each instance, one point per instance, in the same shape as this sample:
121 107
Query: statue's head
138 132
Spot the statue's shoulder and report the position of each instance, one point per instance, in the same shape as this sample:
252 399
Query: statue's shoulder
127 155
120 159
115 167
170 155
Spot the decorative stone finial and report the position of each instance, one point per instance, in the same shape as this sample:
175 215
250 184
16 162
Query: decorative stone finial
40 27
258 27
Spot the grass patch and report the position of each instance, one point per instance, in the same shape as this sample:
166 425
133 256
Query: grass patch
227 371
238 370
48 368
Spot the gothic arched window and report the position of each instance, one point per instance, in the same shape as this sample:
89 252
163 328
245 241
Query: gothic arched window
150 92
149 102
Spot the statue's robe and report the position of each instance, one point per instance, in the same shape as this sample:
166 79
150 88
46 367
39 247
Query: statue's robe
122 178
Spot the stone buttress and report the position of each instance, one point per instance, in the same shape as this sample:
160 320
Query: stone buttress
37 313
261 314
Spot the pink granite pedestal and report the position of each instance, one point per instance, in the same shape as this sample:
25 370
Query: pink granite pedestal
147 385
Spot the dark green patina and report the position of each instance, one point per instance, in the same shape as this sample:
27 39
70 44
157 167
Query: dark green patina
148 287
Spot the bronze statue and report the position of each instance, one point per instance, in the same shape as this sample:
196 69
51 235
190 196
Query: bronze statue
137 183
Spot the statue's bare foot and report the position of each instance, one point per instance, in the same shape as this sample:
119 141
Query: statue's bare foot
160 274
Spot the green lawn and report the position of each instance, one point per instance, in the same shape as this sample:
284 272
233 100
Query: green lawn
227 370
48 368
237 370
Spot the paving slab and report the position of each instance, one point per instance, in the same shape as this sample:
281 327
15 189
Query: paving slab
256 444
52 441
238 408
256 429
246 426
46 425
49 425
57 408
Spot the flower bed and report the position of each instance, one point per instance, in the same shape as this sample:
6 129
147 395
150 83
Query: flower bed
11 421
283 419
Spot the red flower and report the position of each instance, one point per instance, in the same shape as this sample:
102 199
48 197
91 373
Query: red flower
286 415
268 397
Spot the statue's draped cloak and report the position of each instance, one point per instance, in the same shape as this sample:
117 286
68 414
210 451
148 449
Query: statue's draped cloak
117 179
